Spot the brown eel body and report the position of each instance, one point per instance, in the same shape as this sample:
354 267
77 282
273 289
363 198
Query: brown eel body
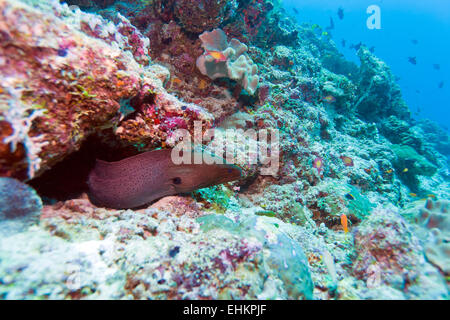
138 180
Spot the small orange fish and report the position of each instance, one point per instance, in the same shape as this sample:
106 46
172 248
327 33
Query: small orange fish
412 194
176 80
217 55
344 222
329 99
431 196
389 171
202 84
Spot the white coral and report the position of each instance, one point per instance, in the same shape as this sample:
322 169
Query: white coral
21 118
238 65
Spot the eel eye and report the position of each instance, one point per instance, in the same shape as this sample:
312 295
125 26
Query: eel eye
176 180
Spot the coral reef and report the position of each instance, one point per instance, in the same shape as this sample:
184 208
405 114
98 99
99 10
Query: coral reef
73 76
409 164
389 254
378 94
350 202
198 16
435 217
206 257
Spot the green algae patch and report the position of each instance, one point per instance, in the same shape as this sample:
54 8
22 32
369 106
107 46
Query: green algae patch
409 164
409 161
267 213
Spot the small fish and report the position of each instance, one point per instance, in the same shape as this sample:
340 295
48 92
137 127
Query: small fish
62 52
405 170
343 42
340 13
176 80
412 194
203 84
331 26
441 85
344 222
436 66
315 26
325 33
217 55
295 10
431 196
412 60
348 162
329 99
318 164
349 196
389 171
372 49
414 41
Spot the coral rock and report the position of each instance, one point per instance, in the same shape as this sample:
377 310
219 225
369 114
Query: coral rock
435 216
20 206
379 95
68 74
198 16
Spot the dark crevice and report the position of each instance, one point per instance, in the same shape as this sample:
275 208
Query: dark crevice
68 178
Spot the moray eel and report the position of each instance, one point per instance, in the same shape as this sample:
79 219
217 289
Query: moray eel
138 180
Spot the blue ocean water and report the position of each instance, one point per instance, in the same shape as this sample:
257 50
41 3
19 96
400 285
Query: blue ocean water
409 28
